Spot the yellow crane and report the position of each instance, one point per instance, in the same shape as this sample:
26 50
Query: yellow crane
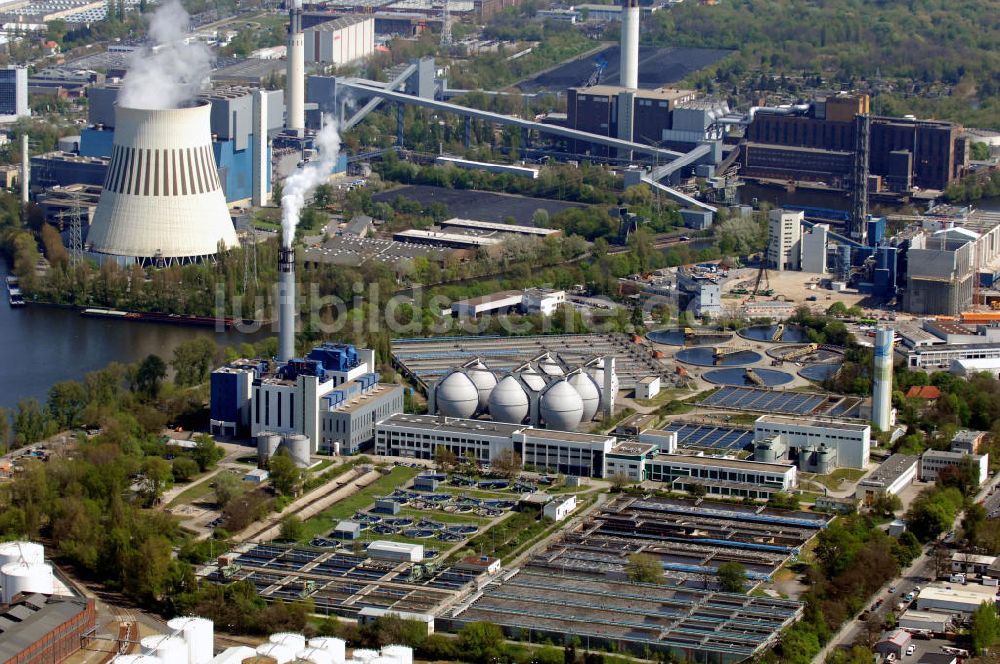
752 377
779 332
800 352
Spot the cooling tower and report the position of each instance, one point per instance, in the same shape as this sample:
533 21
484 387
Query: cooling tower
162 196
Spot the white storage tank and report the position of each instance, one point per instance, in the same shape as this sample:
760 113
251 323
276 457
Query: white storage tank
484 380
165 648
532 379
561 407
28 552
234 655
382 660
293 641
456 395
314 656
508 401
590 393
299 448
336 647
17 578
402 654
199 634
365 655
267 445
279 653
137 659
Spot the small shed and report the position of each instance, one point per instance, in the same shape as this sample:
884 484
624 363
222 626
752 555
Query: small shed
894 642
347 530
256 476
560 508
386 506
425 483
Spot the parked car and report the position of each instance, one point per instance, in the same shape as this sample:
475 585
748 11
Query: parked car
910 649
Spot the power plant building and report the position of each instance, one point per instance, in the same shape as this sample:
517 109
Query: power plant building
940 272
784 239
332 397
341 41
837 443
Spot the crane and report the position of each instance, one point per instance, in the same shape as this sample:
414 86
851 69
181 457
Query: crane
766 291
600 65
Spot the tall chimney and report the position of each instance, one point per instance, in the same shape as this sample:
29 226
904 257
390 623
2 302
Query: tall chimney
630 44
286 305
25 170
261 165
882 383
608 398
295 119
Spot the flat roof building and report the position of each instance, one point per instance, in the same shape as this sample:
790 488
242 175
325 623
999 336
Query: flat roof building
892 476
932 462
955 599
40 628
850 441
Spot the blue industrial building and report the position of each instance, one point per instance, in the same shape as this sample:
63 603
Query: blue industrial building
876 230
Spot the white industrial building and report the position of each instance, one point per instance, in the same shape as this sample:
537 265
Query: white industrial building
162 200
972 563
814 245
539 392
932 462
892 476
542 300
735 478
849 441
784 237
559 508
955 598
916 620
647 388
530 301
341 41
396 551
969 367
419 437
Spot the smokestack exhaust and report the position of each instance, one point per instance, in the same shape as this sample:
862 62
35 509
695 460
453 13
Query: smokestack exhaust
286 305
630 44
295 120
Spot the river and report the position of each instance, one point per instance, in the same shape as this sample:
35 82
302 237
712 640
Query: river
40 345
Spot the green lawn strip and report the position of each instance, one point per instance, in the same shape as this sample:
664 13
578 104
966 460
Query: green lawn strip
546 531
193 494
322 523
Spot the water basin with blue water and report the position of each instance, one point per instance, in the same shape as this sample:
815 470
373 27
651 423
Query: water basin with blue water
704 356
736 376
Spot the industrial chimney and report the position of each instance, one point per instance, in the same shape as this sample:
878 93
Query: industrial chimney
882 389
286 304
295 119
630 44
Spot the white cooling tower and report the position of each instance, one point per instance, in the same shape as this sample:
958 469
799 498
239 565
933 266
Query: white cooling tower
508 401
589 391
456 395
28 552
336 647
198 634
162 196
561 406
27 578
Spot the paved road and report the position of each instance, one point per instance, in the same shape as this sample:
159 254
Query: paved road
920 572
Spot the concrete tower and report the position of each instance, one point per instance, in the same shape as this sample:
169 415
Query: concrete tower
261 166
882 379
162 197
286 305
630 44
295 119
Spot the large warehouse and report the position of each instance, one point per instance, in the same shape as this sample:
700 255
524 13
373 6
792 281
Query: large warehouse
340 41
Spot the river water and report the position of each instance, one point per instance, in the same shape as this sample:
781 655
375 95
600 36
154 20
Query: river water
41 345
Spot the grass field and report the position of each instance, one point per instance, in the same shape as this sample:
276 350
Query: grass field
193 494
833 480
323 522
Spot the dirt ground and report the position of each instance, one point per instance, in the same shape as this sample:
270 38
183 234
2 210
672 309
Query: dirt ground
794 286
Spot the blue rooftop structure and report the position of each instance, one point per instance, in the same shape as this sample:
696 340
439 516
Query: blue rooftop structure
335 357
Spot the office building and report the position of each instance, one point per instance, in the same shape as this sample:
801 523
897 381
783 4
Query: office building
419 437
932 462
13 93
784 237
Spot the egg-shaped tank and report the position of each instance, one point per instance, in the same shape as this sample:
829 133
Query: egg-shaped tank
532 379
456 395
589 392
561 406
508 401
551 369
484 380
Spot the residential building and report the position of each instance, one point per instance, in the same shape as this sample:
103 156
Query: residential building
932 462
784 237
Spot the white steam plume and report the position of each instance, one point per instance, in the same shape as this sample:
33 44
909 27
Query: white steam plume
166 71
301 183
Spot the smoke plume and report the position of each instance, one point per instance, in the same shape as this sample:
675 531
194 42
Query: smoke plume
302 183
167 71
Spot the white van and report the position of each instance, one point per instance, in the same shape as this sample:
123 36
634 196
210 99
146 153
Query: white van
957 578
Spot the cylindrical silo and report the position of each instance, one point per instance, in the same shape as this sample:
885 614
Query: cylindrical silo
28 552
299 448
162 196
199 634
314 656
165 648
381 659
281 654
402 654
234 655
267 445
364 655
17 578
294 642
336 647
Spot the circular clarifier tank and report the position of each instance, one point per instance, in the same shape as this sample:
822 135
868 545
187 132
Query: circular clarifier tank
705 357
819 372
790 334
740 377
675 336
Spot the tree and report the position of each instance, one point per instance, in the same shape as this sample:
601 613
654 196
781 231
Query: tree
644 568
481 642
292 529
227 486
619 481
66 403
886 504
286 477
150 375
157 477
206 453
985 627
732 577
192 361
444 458
30 424
507 463
184 468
